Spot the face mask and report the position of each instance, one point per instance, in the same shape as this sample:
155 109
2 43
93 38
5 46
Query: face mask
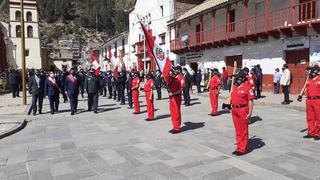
312 75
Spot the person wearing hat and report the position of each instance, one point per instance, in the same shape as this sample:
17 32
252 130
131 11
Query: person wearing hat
148 86
135 92
175 91
312 91
72 89
242 104
214 88
37 90
92 85
285 82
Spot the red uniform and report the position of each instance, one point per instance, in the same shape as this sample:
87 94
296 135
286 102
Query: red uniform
135 94
240 97
214 93
251 82
181 79
313 106
175 103
149 98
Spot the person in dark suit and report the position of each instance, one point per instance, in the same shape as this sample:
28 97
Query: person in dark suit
14 81
114 86
122 86
72 89
129 86
109 83
157 84
37 91
52 89
198 81
92 86
82 77
186 88
62 78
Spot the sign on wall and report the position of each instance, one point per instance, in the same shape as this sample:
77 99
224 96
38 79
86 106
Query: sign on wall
296 43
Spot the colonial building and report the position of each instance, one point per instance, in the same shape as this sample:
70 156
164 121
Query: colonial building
3 51
32 41
114 44
155 15
266 32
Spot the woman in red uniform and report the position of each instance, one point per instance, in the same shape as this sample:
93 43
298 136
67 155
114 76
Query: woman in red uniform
242 103
214 87
175 91
313 103
148 86
135 92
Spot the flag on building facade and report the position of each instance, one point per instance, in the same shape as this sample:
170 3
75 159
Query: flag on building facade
159 54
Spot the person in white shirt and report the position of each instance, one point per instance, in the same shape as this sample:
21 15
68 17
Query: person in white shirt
276 81
285 82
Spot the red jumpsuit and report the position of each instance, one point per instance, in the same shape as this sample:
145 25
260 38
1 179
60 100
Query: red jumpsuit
240 97
149 98
214 93
135 94
175 103
181 79
313 106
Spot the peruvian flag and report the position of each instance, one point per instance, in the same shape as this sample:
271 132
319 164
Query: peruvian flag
114 65
95 62
160 55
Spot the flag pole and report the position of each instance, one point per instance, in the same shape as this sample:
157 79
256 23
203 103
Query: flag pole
145 35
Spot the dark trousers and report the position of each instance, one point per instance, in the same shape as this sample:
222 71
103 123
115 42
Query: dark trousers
276 88
186 95
121 95
37 98
104 91
158 92
73 102
15 90
65 97
82 93
285 90
110 90
114 90
198 87
93 99
258 91
129 98
225 83
54 103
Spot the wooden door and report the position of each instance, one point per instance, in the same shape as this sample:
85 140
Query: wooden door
297 61
230 61
198 30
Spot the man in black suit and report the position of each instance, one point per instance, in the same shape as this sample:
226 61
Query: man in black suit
186 88
109 83
157 84
129 91
198 81
14 81
122 86
37 91
92 85
72 88
52 89
82 77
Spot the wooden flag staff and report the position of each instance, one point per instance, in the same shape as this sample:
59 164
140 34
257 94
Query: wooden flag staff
227 104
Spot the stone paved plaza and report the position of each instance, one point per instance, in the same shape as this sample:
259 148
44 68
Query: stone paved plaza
115 144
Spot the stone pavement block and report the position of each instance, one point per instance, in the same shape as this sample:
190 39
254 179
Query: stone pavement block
160 155
35 155
125 169
60 169
66 177
224 174
2 172
23 176
200 162
297 176
16 169
145 147
35 166
84 171
40 175
247 177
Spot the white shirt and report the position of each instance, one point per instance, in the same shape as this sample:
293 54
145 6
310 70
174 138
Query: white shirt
285 78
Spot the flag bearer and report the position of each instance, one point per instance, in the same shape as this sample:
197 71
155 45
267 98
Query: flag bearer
242 104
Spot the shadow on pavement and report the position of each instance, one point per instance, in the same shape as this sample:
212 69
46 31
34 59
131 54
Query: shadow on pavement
108 109
195 103
162 117
255 119
223 112
255 143
192 126
105 105
194 99
304 130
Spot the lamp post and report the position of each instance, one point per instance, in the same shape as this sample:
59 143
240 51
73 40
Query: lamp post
23 58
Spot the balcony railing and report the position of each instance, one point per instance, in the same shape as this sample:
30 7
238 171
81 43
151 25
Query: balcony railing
284 18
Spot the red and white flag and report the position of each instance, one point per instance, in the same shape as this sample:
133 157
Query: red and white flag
95 62
113 64
161 56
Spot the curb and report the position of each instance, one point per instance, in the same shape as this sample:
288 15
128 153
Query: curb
15 129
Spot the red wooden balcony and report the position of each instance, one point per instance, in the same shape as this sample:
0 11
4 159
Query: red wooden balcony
285 20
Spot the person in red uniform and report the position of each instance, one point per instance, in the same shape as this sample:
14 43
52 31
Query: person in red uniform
214 86
313 103
179 76
242 103
250 79
175 91
135 92
148 86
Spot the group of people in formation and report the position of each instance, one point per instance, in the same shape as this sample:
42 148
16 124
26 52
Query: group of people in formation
73 83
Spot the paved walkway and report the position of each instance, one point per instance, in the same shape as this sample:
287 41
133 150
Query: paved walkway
115 144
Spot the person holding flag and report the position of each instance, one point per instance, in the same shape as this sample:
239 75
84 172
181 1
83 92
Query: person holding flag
173 84
148 88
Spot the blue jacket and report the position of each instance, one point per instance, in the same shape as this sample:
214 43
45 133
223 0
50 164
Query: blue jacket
72 89
50 89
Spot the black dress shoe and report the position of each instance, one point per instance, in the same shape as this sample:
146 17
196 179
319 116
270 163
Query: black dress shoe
34 114
308 136
52 113
122 104
96 112
173 131
72 113
285 103
89 110
317 138
238 153
136 113
235 152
